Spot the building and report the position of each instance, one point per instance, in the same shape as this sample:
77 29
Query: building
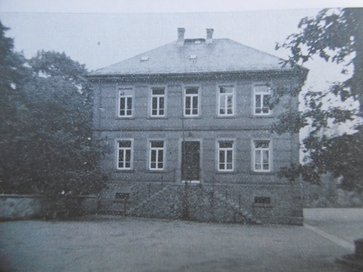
189 123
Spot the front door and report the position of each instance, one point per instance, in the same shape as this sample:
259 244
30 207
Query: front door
190 160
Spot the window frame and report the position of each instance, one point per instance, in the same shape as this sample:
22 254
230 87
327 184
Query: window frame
262 93
158 101
150 149
131 154
225 149
129 94
254 149
191 102
225 100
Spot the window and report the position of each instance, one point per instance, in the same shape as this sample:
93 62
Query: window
191 101
124 155
225 156
262 154
125 102
225 101
262 200
156 155
158 102
262 95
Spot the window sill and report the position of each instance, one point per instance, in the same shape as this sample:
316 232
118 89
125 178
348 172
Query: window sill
262 116
226 172
225 116
257 205
125 170
125 118
261 173
156 171
156 117
192 117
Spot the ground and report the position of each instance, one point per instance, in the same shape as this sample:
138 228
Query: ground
136 244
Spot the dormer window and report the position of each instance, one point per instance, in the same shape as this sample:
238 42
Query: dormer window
144 58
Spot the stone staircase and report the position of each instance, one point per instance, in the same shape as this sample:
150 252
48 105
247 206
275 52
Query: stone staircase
147 200
248 217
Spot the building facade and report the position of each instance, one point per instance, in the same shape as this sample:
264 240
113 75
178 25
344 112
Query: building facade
188 126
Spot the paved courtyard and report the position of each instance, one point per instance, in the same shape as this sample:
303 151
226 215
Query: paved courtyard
135 244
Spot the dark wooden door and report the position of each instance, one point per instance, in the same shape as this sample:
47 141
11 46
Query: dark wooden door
190 160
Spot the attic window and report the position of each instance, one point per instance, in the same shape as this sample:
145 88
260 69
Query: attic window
145 58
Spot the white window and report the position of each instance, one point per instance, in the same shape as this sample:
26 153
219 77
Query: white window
225 101
262 95
125 103
158 101
156 155
262 155
191 101
124 154
225 155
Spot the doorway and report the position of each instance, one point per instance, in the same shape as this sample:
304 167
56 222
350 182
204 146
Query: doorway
190 168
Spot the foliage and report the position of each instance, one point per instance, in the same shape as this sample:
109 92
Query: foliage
50 149
336 35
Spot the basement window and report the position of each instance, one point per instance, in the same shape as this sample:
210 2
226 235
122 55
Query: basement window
262 200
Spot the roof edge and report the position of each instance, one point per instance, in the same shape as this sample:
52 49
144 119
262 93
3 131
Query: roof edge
299 71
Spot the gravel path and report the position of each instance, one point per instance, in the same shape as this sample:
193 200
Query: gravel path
135 244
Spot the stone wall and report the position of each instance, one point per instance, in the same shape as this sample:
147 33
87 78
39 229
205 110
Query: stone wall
13 207
21 206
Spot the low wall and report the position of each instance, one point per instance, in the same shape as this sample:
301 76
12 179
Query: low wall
14 207
329 195
21 206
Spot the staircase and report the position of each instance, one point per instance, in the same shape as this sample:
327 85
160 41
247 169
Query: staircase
248 218
170 201
147 200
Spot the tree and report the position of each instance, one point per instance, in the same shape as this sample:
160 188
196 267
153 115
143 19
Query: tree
336 35
59 100
49 148
14 74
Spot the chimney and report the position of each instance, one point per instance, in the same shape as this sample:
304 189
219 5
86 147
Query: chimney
209 35
181 32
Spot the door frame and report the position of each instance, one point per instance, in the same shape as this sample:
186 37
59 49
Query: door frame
190 139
